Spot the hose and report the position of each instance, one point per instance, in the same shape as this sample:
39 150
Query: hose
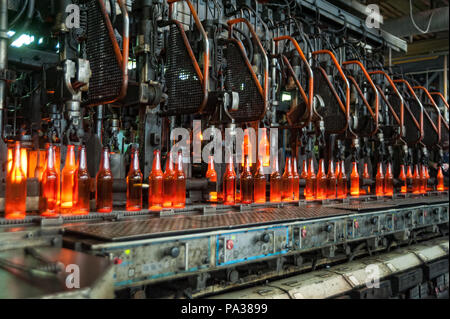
19 15
30 13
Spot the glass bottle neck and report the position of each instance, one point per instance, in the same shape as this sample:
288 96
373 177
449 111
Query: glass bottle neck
105 161
157 162
83 163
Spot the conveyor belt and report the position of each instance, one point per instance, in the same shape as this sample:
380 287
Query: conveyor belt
164 226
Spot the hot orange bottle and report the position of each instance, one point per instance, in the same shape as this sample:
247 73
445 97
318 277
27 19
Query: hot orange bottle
296 180
379 181
275 182
229 184
331 181
409 178
68 177
211 174
311 182
416 182
246 183
389 181
402 178
180 184
83 185
440 180
134 184
322 183
103 195
155 190
304 175
423 179
259 182
16 188
287 188
49 187
354 181
366 175
169 183
342 182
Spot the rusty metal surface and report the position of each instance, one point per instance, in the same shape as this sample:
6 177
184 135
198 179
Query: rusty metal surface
135 229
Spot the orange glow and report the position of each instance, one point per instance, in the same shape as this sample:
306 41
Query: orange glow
213 196
155 190
331 181
211 174
379 181
104 184
416 182
322 183
354 181
341 181
265 145
389 181
402 177
83 185
169 183
366 175
287 192
50 185
423 179
246 148
10 160
311 181
296 180
134 183
16 188
68 181
24 160
180 184
246 183
259 183
440 180
275 182
409 178
229 184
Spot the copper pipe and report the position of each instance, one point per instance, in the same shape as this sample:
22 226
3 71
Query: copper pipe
408 86
394 87
263 52
439 94
204 77
345 108
374 114
433 103
307 98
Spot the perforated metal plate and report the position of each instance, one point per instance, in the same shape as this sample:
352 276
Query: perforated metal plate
155 227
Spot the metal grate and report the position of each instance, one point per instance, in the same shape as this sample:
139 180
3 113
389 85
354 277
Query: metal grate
333 117
106 80
185 89
127 230
239 79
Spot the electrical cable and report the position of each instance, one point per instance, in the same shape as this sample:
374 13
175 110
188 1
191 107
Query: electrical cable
414 23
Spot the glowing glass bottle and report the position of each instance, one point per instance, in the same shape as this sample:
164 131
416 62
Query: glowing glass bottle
440 180
180 183
169 183
211 174
311 182
104 192
287 190
322 183
275 182
156 178
16 188
331 181
264 146
134 183
246 183
409 178
366 175
229 184
379 181
402 178
389 181
342 182
83 185
427 174
416 181
49 187
423 179
259 182
304 175
296 180
354 180
68 181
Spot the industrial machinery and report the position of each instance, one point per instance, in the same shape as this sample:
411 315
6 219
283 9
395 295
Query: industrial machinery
149 138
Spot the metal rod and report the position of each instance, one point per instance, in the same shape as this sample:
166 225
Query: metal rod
3 56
